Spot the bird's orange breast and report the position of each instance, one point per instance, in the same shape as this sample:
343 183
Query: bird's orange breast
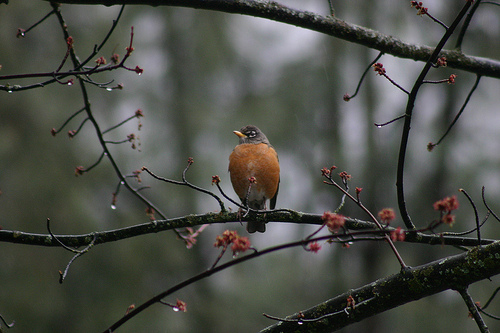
254 160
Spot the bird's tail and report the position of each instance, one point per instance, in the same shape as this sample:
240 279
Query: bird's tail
253 226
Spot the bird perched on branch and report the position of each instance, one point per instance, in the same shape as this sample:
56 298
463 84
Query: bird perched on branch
255 172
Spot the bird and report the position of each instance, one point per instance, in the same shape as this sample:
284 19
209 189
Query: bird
254 162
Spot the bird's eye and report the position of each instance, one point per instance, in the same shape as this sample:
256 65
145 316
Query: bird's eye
252 134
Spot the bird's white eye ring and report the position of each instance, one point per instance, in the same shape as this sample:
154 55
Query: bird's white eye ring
252 134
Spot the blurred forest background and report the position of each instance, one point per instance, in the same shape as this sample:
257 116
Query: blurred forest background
205 75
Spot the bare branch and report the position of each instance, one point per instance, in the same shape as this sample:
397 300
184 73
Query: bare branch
473 310
431 145
348 97
289 216
6 323
409 111
324 24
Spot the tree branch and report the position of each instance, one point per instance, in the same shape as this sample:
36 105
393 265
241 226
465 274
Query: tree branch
454 272
289 216
324 24
409 112
473 310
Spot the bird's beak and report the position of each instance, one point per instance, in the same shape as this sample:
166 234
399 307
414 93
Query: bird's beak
238 133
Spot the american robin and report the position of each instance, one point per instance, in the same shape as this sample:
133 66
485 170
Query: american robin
254 157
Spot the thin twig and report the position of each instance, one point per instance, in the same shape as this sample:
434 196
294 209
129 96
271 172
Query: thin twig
482 308
342 199
436 81
78 253
98 48
487 207
473 310
54 132
95 163
103 85
489 314
23 32
186 183
120 124
470 230
301 320
349 97
228 197
467 99
332 9
219 257
58 241
69 43
5 322
118 142
491 298
478 226
379 68
465 26
390 121
75 132
396 84
62 275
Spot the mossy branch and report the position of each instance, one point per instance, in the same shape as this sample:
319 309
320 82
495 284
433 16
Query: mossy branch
455 272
